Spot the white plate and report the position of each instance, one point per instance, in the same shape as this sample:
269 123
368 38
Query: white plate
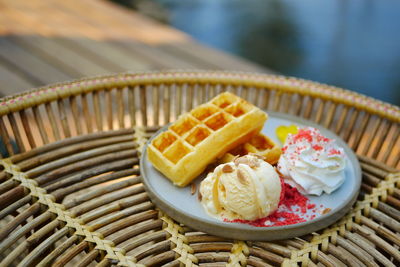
185 208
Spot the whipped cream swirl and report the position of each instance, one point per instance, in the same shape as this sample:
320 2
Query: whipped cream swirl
312 163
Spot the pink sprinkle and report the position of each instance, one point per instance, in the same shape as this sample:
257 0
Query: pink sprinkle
317 147
334 152
310 206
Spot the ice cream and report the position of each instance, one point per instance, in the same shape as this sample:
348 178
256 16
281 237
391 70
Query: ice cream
248 188
312 163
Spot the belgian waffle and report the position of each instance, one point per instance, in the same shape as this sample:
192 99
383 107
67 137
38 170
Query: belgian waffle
202 135
258 144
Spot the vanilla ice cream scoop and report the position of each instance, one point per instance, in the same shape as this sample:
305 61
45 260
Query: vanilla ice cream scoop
312 163
248 188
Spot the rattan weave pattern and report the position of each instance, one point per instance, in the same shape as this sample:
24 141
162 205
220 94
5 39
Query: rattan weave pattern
70 189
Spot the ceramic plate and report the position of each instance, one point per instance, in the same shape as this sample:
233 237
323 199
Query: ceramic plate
186 208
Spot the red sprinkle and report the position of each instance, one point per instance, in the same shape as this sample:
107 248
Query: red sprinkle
310 206
293 197
290 198
317 147
309 134
334 152
303 134
323 139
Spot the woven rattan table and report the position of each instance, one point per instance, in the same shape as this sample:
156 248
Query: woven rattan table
70 188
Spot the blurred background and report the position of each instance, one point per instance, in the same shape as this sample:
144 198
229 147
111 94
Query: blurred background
351 44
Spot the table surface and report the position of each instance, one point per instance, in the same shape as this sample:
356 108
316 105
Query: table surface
48 41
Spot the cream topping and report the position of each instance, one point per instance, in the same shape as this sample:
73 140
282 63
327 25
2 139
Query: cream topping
312 162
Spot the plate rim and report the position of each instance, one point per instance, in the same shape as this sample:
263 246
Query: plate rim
219 229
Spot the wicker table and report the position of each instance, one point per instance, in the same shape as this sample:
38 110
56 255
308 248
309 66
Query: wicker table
70 188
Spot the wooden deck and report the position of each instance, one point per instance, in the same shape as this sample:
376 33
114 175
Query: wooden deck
48 41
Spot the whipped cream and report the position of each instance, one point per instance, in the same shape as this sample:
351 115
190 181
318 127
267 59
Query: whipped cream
248 188
312 163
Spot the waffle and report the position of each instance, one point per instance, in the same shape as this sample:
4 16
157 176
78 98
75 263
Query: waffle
204 134
258 144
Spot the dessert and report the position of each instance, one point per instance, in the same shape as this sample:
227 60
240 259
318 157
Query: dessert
260 145
312 163
201 136
246 189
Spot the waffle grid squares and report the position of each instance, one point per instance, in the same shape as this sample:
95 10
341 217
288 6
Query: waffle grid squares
192 128
203 135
